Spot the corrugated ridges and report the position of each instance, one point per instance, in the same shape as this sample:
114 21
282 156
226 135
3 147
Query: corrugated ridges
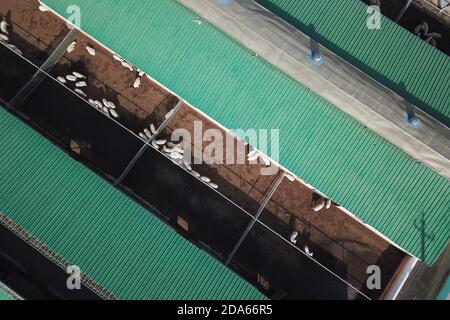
6 293
325 147
391 55
114 241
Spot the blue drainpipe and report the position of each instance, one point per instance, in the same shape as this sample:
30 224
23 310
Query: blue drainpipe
411 119
315 57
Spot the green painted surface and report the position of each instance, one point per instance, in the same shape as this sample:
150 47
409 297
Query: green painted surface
391 55
444 294
91 224
6 294
355 167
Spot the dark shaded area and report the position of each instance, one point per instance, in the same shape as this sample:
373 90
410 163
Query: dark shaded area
243 192
415 16
171 191
14 73
333 254
297 277
216 224
330 261
66 117
323 40
32 275
388 263
390 8
324 257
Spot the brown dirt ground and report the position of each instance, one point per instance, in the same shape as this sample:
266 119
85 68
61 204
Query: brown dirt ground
107 78
35 33
332 229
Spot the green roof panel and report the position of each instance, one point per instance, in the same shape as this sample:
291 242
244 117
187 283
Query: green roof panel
4 296
391 55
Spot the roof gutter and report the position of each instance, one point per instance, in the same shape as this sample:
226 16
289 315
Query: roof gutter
399 279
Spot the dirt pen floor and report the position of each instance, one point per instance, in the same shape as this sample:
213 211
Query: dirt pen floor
106 78
333 231
241 182
117 108
35 33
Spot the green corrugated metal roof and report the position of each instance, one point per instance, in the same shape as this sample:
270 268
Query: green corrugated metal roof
322 145
6 293
391 55
91 224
